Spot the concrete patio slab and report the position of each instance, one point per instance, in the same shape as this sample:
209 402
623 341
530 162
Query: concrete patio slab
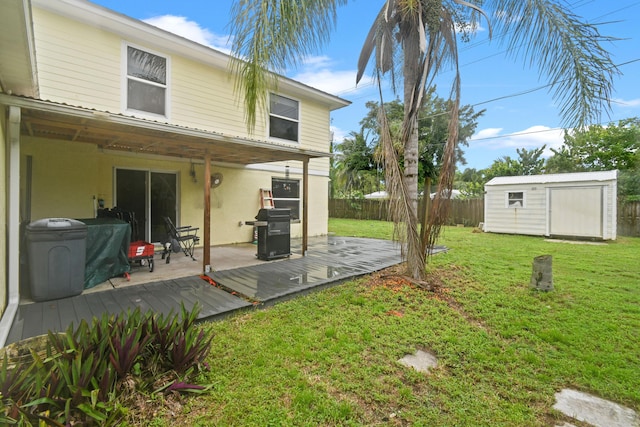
594 410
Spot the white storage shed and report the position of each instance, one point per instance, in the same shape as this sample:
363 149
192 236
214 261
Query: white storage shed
581 205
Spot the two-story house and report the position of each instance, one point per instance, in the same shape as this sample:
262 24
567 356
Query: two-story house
101 110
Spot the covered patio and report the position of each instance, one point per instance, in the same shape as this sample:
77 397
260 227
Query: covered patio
142 138
238 282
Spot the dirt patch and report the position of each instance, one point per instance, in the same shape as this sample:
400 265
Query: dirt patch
436 284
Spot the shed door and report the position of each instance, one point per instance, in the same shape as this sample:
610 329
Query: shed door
576 212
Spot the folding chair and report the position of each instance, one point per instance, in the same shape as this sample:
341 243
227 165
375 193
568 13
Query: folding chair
184 237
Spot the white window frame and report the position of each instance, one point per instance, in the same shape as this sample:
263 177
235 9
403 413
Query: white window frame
296 121
507 200
126 77
289 199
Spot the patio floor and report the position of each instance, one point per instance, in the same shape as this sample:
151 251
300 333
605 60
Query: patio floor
244 282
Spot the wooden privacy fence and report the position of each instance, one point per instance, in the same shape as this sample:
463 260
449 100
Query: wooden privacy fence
467 212
629 219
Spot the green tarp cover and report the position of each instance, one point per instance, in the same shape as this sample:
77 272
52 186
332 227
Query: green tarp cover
107 250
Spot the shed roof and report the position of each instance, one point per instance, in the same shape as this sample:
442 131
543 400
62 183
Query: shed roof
554 178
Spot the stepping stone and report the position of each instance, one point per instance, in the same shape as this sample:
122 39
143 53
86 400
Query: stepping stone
594 410
421 361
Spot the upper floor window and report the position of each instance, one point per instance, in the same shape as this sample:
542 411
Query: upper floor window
146 82
283 118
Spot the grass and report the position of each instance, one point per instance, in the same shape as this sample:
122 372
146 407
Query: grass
330 358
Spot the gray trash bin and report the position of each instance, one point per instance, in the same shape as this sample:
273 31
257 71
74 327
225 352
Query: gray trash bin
56 250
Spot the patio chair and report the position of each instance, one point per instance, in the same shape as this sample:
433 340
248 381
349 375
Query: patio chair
185 238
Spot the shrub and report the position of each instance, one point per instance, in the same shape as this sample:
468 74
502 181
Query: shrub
75 381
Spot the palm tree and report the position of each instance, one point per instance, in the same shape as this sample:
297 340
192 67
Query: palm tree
411 41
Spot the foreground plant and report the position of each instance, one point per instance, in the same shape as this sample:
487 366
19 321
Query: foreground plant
83 374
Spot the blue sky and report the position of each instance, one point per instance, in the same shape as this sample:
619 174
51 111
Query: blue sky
517 116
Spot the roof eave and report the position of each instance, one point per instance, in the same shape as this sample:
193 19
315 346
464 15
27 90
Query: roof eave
18 70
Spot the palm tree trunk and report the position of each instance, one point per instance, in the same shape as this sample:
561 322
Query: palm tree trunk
415 259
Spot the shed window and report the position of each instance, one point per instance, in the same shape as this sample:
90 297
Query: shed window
515 199
283 118
146 82
286 195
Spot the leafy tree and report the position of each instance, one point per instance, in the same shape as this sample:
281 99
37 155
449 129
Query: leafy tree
529 162
598 147
470 182
410 42
564 159
356 171
433 127
629 184
616 146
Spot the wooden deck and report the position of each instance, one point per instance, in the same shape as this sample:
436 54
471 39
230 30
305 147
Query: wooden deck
329 260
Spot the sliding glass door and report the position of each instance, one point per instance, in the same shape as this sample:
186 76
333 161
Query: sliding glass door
150 196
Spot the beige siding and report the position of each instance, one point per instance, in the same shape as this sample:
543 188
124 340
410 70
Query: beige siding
77 64
67 176
203 97
4 286
81 65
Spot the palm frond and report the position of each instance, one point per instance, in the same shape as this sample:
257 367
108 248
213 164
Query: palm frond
439 211
271 35
380 39
566 50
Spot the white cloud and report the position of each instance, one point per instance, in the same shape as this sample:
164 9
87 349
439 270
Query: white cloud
318 72
328 80
191 30
338 134
530 138
487 133
627 102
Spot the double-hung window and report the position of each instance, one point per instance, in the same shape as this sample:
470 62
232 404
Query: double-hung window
146 82
284 118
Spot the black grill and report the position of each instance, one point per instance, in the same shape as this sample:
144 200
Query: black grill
274 239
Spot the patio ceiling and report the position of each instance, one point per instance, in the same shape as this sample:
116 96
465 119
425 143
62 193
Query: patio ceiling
117 132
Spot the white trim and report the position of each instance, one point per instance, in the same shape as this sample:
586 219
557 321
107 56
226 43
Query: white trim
506 199
264 167
13 222
124 77
565 178
547 213
604 200
298 120
298 199
31 46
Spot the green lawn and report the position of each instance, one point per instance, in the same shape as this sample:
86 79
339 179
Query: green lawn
330 358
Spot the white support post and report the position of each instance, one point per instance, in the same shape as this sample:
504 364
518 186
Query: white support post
13 223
